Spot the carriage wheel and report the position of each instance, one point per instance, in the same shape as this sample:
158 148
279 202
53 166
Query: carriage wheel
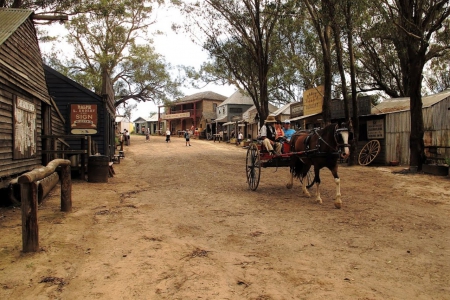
309 178
253 167
369 152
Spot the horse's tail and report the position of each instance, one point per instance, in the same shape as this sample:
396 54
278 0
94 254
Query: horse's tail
297 167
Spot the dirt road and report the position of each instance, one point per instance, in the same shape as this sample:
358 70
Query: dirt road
179 222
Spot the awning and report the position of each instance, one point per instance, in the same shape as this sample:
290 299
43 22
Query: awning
223 119
303 117
228 123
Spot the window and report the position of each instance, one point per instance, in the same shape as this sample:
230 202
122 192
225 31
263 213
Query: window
235 110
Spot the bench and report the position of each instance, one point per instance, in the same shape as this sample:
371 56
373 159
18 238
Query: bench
116 158
434 156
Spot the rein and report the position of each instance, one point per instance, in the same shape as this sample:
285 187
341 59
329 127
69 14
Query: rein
336 132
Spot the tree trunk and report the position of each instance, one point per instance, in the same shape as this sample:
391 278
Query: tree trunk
416 144
326 49
354 125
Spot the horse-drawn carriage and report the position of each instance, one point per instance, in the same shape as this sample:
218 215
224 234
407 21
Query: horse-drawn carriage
317 147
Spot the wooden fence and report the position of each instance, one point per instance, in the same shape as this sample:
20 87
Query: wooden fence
29 197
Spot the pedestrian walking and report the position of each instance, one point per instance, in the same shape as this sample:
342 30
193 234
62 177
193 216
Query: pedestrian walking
187 137
147 135
167 135
240 138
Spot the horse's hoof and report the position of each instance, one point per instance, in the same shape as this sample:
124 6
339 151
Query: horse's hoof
289 186
319 201
338 205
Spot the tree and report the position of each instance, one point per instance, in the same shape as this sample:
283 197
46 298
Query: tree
110 35
241 41
47 7
299 65
420 33
438 74
320 13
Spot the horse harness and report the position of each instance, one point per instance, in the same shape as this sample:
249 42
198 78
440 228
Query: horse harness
315 131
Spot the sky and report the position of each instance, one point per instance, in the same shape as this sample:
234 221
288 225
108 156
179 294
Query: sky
177 50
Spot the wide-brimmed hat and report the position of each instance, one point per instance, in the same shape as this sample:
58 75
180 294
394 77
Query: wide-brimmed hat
270 119
287 122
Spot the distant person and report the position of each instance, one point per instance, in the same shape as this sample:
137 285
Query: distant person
125 137
192 129
128 138
240 138
167 135
187 137
147 135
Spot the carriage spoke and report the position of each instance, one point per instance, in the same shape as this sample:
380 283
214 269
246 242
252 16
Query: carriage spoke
253 167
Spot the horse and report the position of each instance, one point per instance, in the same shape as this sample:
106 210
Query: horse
321 148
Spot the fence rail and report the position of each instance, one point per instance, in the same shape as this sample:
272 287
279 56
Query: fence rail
29 197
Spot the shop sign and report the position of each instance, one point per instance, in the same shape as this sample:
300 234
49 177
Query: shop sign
177 116
313 100
83 118
375 129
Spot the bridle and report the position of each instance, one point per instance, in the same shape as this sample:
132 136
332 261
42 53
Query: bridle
337 133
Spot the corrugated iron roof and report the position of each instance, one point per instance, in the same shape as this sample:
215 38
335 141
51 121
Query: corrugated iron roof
201 96
401 104
10 20
237 98
284 110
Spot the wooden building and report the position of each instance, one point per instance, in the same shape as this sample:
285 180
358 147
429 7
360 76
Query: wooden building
88 113
229 112
251 120
26 110
194 110
390 124
141 124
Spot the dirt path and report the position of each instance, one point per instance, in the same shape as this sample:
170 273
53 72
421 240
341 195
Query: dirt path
179 222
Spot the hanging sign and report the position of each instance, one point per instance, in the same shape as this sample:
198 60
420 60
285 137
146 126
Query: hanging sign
83 118
313 100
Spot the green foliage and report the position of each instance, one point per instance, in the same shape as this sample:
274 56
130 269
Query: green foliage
111 35
240 38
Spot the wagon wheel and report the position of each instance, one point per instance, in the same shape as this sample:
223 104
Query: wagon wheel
253 167
369 152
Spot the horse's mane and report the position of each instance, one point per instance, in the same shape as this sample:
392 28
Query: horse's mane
329 129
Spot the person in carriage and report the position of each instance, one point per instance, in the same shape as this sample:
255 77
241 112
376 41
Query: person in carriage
268 136
288 131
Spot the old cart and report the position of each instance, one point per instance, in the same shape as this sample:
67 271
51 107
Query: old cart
258 157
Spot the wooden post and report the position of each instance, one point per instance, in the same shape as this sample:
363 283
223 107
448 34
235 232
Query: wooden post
83 158
66 189
89 146
29 196
30 230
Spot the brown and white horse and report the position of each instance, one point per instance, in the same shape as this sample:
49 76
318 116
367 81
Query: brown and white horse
321 148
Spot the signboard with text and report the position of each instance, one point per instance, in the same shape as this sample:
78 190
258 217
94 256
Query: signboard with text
25 145
296 109
83 118
313 100
177 116
375 129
